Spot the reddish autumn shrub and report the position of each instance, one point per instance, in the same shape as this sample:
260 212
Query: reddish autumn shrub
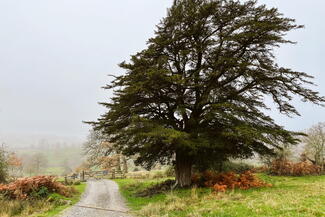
220 188
283 167
261 169
220 182
249 180
27 188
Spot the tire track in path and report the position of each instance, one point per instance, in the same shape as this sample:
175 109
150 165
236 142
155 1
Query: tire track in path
101 199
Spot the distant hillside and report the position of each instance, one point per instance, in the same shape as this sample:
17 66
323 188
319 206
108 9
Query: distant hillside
59 160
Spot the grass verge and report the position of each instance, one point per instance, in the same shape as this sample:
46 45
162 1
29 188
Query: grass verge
289 197
46 207
70 201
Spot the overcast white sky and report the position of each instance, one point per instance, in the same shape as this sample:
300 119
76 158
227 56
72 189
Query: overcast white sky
55 56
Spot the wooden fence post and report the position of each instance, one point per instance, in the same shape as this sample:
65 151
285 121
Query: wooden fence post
83 176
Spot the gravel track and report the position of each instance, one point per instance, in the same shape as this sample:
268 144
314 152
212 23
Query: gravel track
101 199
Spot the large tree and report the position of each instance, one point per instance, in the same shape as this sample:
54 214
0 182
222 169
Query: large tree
197 93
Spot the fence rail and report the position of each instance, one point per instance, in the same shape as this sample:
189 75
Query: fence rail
84 175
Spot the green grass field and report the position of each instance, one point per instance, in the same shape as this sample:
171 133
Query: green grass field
289 197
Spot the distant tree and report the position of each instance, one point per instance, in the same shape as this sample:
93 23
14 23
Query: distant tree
96 147
66 167
43 144
26 159
102 153
197 93
15 165
315 144
282 154
84 166
36 163
3 164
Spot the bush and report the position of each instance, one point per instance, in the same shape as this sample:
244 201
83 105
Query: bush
41 192
283 167
3 166
220 182
170 172
76 183
23 207
34 187
235 167
157 189
138 175
158 175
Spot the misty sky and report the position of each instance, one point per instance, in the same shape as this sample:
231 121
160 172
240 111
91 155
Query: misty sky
55 56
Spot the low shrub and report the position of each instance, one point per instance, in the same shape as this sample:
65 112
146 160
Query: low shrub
237 167
23 207
170 171
156 189
260 169
158 175
220 182
76 182
41 192
138 175
282 167
31 187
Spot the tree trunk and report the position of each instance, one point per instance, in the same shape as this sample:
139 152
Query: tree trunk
183 170
119 162
125 165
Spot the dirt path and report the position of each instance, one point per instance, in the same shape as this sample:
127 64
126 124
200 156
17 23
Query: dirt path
101 199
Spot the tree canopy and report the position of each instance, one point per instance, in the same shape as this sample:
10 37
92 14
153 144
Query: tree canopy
196 94
315 145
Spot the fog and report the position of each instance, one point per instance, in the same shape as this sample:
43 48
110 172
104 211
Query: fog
55 56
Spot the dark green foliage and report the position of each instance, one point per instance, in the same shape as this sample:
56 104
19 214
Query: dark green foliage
3 166
237 167
198 90
224 166
41 192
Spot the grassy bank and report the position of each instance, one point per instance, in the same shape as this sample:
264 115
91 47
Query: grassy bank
289 196
46 207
